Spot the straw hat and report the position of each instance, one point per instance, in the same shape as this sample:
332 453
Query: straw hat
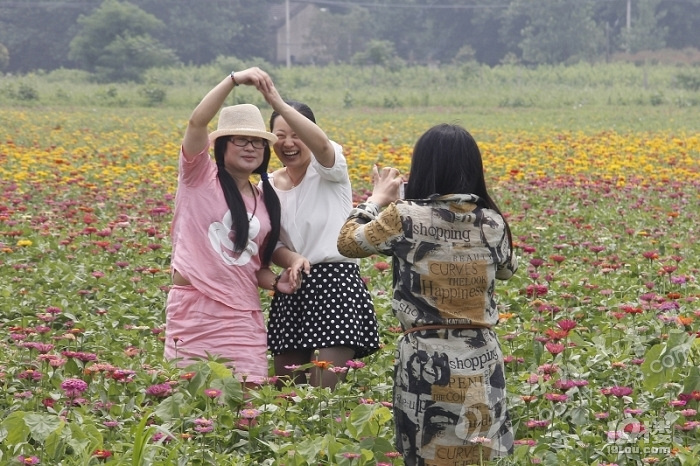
241 120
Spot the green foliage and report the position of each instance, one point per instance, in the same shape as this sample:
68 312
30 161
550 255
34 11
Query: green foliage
559 31
690 81
116 43
378 53
596 90
153 95
25 91
647 34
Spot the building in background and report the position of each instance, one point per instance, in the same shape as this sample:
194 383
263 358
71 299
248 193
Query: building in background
302 18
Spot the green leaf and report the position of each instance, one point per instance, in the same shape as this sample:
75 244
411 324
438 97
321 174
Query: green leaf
17 429
42 425
218 370
579 416
367 419
169 408
692 381
656 371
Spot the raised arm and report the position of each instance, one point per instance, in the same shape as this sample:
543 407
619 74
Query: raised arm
308 131
196 134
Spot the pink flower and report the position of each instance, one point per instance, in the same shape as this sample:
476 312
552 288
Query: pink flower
620 391
203 425
567 324
250 413
536 262
28 459
381 266
102 454
526 441
556 397
353 364
74 387
162 390
564 385
212 392
554 348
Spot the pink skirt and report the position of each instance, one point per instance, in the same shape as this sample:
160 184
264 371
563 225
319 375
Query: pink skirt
196 325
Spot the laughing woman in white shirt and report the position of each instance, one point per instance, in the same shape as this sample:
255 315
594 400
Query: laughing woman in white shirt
331 316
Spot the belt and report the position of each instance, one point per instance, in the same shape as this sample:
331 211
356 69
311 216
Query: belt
445 326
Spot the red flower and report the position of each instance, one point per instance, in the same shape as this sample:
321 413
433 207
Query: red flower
567 324
381 266
102 454
634 428
554 348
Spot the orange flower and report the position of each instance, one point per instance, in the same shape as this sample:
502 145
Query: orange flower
323 365
688 320
505 316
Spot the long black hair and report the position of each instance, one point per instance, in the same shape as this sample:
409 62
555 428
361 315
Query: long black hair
447 160
234 200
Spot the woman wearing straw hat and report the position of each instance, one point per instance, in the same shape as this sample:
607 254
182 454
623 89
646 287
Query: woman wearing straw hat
331 317
224 232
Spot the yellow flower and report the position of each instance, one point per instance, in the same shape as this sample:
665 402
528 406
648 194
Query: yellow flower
24 243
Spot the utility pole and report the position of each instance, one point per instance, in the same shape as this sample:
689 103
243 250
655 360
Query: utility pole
288 45
629 15
629 25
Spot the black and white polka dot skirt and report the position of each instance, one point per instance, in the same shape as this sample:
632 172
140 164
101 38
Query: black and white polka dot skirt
333 307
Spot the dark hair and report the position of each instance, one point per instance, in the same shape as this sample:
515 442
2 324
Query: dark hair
234 200
299 107
447 160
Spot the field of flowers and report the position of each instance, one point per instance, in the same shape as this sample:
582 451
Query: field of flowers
599 327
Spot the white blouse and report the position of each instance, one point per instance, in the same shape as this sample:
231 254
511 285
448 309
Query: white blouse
314 211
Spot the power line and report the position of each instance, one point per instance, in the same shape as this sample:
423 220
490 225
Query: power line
437 7
398 5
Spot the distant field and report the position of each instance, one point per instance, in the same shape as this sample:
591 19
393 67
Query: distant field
616 96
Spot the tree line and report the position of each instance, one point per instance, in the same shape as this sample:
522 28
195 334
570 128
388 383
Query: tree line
119 39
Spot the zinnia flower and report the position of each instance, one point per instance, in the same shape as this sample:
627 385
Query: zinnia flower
28 459
212 392
353 364
74 387
620 391
161 390
102 454
250 413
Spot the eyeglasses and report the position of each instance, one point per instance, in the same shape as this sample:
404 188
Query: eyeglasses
242 142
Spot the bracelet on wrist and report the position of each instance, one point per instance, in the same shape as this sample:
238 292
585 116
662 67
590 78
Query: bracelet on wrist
233 79
274 283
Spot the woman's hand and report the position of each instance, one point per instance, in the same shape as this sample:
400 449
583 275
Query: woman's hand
254 77
387 184
286 283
